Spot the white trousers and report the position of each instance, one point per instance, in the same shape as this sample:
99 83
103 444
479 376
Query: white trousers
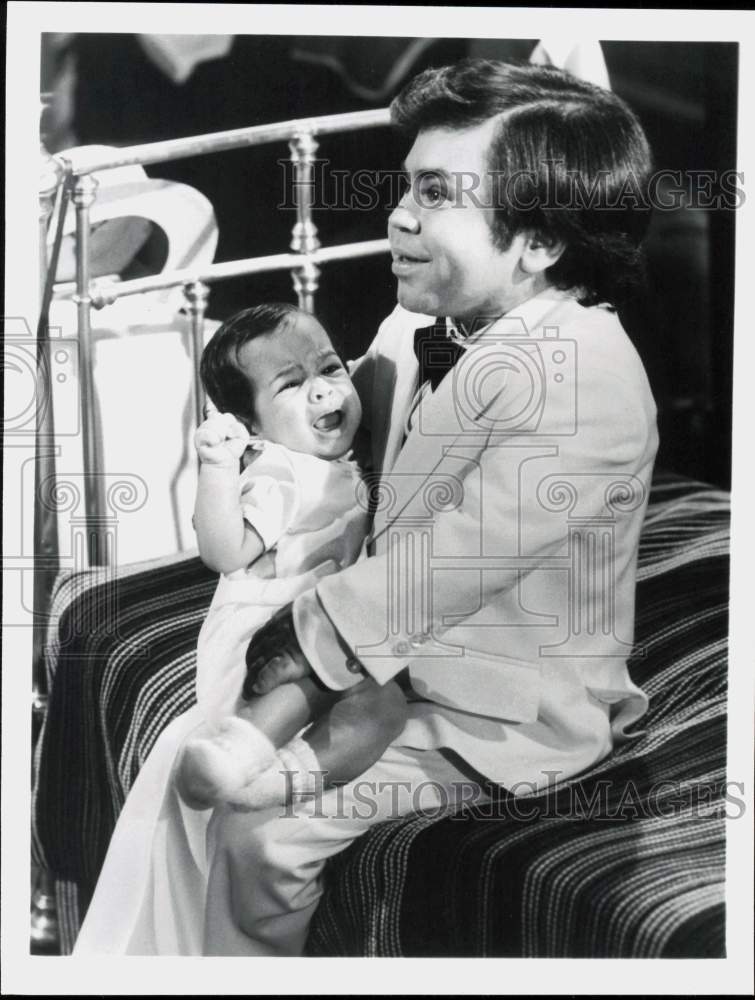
266 867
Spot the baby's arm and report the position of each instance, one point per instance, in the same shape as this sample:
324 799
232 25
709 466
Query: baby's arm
226 541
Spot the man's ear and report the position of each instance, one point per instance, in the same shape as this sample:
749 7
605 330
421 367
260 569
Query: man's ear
540 251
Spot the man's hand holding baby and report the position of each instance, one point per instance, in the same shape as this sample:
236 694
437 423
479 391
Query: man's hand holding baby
274 656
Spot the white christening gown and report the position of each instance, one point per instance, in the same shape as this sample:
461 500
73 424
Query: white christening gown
150 896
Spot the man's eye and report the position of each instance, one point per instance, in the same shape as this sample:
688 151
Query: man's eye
432 191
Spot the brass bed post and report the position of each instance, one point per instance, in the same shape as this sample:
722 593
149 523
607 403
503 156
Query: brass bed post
196 294
304 238
84 193
46 552
43 925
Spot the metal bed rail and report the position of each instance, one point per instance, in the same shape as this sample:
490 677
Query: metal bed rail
75 173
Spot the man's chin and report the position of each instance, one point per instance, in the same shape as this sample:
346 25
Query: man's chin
415 301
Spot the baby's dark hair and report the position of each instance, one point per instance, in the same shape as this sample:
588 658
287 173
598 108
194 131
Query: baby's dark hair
222 377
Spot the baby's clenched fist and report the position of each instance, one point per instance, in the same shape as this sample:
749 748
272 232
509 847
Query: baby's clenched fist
221 440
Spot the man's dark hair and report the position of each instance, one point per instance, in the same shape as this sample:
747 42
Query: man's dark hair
224 381
569 160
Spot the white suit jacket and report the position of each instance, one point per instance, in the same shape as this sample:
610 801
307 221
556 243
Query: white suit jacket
504 545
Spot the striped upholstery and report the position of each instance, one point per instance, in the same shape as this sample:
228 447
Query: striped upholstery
626 861
121 663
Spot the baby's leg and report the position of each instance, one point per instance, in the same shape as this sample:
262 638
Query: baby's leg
287 709
213 767
340 745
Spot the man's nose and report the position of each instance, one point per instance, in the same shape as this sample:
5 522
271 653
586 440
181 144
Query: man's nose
402 216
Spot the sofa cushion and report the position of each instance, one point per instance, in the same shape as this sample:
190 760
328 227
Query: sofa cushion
626 860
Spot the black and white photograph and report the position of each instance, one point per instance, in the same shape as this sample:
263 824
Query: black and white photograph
372 445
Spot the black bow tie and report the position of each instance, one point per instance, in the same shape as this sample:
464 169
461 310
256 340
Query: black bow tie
436 353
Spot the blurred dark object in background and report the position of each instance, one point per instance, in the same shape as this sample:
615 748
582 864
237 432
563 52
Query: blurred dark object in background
109 91
686 97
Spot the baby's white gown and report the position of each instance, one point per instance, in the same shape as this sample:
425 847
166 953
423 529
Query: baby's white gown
150 895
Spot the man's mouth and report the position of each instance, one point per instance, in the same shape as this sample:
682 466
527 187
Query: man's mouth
405 258
406 264
329 421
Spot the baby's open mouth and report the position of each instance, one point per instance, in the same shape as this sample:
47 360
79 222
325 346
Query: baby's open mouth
329 421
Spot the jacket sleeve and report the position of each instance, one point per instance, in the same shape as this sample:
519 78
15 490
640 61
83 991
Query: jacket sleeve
497 515
326 651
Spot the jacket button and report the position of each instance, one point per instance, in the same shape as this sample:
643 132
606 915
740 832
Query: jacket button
402 648
415 641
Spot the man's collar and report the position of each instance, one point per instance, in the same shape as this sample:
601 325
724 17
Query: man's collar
530 312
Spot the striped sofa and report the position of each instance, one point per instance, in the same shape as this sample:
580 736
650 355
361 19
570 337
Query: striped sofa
626 860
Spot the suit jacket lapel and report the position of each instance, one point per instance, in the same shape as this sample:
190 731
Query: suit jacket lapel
442 423
435 432
387 448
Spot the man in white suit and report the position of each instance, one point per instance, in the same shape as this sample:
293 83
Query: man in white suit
512 436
